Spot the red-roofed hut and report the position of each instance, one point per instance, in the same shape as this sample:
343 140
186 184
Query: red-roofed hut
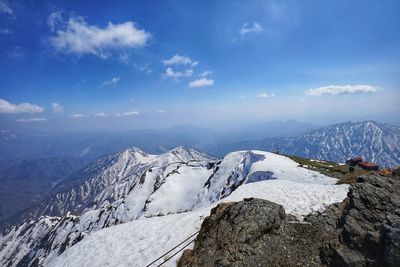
369 166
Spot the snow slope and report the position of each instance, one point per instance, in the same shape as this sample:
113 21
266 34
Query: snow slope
139 242
168 197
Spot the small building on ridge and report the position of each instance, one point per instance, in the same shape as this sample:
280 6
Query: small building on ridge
369 166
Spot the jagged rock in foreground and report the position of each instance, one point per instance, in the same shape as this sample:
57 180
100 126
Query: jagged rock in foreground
363 230
253 232
369 227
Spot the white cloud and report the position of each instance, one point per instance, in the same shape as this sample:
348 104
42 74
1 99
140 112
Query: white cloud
247 28
175 75
7 107
57 107
112 83
180 60
184 64
31 120
5 7
77 36
203 82
100 114
205 73
342 89
129 113
161 111
77 116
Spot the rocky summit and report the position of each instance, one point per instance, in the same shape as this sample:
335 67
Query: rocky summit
363 230
368 230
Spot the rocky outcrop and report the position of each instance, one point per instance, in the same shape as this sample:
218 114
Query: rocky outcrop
253 232
363 230
369 228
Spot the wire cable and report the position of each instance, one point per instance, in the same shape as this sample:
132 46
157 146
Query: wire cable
172 250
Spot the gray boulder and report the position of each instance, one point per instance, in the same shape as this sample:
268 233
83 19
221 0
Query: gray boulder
253 232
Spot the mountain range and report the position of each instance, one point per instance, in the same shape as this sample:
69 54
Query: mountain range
27 176
141 204
373 141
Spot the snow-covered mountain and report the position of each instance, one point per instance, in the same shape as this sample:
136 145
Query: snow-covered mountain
374 141
108 179
151 195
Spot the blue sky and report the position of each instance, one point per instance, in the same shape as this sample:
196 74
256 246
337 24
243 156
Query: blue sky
139 64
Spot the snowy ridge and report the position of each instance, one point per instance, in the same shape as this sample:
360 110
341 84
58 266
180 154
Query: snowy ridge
377 142
374 141
136 189
106 180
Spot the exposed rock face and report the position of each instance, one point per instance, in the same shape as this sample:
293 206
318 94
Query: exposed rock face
253 232
363 230
369 228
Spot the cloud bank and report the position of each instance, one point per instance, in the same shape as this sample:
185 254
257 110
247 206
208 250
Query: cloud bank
7 107
342 89
31 120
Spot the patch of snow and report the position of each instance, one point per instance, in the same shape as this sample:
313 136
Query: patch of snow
284 168
136 243
298 199
179 190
